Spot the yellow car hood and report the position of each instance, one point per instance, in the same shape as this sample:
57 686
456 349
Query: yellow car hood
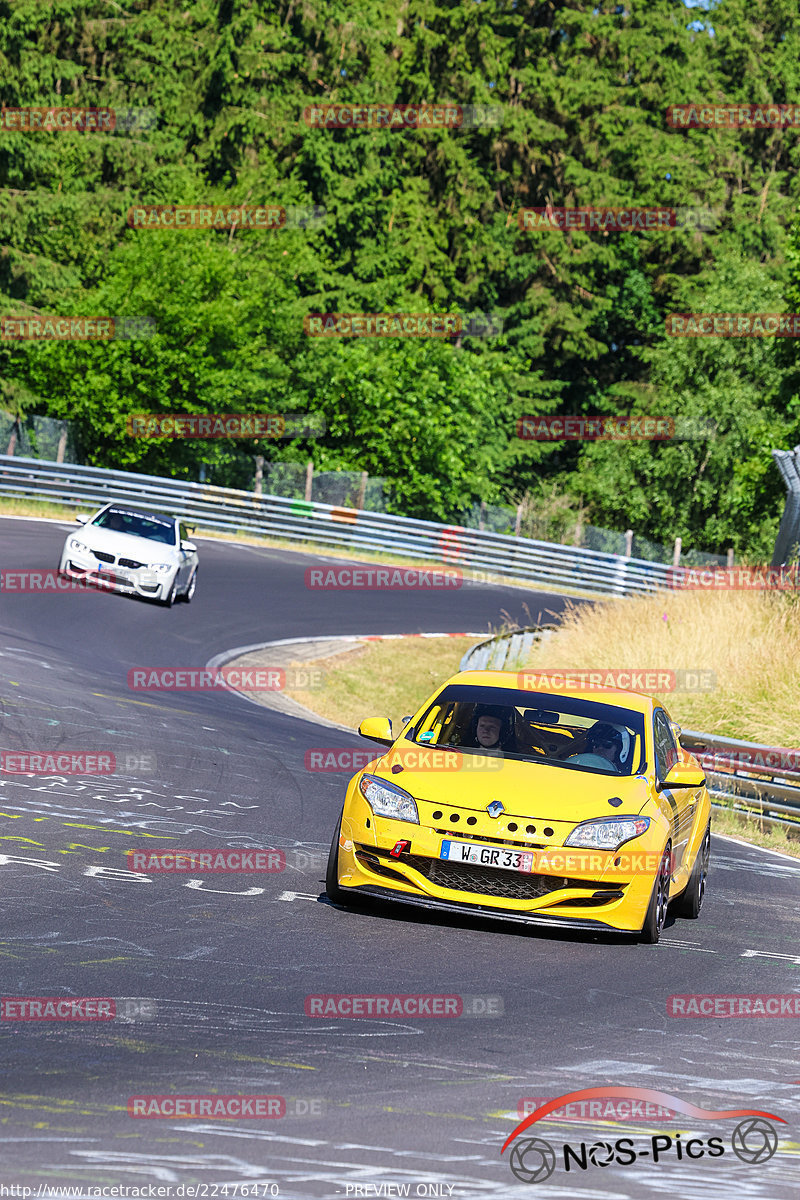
526 789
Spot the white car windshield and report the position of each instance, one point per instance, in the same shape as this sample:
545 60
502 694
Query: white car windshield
534 727
122 520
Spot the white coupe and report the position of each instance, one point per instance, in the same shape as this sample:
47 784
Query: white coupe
139 553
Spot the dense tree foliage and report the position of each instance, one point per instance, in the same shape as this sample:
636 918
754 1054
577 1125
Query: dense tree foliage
418 221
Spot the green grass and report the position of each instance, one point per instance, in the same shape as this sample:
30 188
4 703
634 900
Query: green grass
383 679
751 830
747 641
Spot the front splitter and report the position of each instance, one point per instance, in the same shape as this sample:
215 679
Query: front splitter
497 914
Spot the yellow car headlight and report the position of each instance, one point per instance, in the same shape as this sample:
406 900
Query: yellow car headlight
386 800
607 833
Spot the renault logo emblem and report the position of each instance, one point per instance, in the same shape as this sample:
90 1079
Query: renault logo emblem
495 808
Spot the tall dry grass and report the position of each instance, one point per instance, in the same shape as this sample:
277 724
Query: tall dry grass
750 640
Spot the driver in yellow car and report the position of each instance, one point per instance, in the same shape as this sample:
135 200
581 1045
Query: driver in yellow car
603 748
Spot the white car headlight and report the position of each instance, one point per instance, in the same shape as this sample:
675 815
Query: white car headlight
160 567
74 544
386 800
607 833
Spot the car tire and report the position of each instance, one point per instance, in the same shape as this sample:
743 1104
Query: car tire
190 590
690 902
659 901
169 599
334 893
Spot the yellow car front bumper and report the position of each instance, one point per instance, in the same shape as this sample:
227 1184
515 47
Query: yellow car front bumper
579 888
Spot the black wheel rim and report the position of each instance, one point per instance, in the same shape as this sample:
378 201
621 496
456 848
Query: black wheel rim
662 896
705 853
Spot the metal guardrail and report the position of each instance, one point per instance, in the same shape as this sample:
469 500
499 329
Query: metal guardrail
742 774
481 555
504 651
745 777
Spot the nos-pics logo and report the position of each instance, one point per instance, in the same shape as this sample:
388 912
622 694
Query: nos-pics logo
533 1160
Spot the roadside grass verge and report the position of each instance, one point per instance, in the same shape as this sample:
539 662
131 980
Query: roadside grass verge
749 641
383 679
751 830
11 507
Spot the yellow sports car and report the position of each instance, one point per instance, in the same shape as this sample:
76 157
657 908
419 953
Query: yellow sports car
575 809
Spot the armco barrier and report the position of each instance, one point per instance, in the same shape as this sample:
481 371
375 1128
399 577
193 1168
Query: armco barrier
505 651
769 792
480 554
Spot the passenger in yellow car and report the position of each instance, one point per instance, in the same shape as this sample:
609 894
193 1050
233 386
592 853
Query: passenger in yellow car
487 731
490 729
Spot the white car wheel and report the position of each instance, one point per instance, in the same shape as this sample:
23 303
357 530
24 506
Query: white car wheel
169 599
189 593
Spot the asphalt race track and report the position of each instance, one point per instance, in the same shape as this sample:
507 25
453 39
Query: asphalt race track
417 1104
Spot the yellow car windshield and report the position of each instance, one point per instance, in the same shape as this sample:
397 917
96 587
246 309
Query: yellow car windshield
534 727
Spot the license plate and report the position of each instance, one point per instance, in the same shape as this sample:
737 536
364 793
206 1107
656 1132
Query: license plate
111 575
487 856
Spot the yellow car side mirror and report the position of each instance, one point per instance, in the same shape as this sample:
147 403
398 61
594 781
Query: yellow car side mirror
683 775
377 729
